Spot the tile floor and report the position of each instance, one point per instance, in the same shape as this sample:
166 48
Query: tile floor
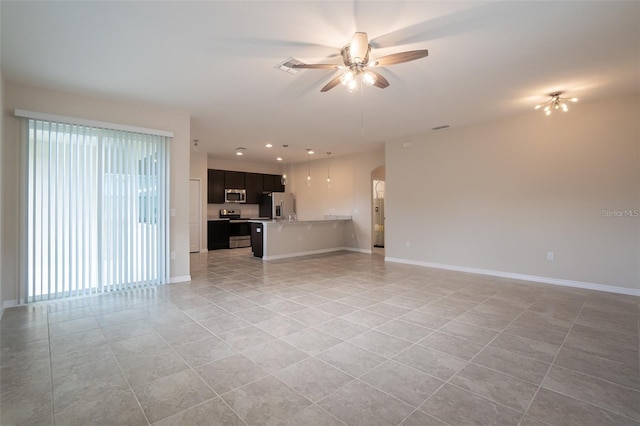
335 339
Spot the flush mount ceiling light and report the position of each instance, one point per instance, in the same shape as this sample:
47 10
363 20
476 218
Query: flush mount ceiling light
239 150
556 102
268 145
355 57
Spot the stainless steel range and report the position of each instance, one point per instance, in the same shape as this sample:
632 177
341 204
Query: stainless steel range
239 229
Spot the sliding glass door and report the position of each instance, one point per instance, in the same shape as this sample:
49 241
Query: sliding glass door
97 203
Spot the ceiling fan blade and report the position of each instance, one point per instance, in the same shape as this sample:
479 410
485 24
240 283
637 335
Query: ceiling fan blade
398 58
330 85
317 66
359 47
381 82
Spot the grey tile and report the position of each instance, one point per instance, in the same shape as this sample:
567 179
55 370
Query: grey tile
598 392
359 403
388 310
116 408
425 320
406 384
462 348
127 316
541 351
87 385
117 332
313 378
418 418
29 351
336 308
141 369
409 302
204 351
457 407
342 329
274 355
351 359
506 390
540 327
311 340
246 337
281 326
445 310
606 344
77 342
230 373
204 312
172 394
26 402
557 409
286 307
224 323
367 318
256 315
185 333
212 412
311 317
266 401
602 368
146 343
357 301
516 365
313 416
405 330
432 362
479 335
380 343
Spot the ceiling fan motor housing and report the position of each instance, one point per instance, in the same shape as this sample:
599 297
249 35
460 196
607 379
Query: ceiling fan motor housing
349 61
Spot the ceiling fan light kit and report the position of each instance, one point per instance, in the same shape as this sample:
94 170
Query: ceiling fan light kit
555 102
355 57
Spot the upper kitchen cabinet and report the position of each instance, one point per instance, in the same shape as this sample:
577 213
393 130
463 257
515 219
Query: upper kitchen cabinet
273 183
234 180
253 182
215 186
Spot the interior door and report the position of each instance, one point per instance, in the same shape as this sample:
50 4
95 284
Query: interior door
194 216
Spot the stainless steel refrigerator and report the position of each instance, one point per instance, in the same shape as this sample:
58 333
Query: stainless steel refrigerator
277 205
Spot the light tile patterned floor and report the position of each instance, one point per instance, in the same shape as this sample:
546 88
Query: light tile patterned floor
333 339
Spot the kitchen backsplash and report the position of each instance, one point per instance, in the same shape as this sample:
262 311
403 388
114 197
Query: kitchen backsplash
248 210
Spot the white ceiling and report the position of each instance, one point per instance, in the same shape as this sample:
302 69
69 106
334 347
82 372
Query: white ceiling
216 60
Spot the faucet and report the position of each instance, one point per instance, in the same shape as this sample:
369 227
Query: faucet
292 217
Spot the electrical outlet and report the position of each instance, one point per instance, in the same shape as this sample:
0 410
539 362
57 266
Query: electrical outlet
550 255
407 243
172 212
173 255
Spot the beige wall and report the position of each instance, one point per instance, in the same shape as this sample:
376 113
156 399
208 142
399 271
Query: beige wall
2 205
499 196
101 109
350 192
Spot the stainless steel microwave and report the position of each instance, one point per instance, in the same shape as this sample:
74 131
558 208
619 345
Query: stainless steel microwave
235 196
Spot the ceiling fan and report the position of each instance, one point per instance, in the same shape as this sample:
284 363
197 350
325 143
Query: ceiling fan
355 56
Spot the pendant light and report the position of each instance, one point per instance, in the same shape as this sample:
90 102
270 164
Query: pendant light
309 153
283 178
328 169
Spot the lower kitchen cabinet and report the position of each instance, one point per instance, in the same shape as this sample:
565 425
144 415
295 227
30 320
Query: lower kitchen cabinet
256 239
217 234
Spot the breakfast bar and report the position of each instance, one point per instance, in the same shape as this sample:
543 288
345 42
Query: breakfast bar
279 239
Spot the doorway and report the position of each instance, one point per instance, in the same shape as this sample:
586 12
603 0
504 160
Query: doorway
377 213
195 222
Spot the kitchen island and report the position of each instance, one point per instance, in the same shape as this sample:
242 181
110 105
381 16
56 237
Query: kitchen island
273 239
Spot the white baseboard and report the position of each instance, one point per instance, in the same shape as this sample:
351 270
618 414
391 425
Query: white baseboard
179 279
358 250
204 250
523 277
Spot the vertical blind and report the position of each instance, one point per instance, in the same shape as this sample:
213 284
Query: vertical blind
97 209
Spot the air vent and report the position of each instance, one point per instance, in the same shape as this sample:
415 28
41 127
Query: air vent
287 65
446 126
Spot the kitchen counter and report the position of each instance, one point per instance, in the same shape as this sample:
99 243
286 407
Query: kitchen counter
277 239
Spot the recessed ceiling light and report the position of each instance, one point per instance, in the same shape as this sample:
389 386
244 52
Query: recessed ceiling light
239 153
279 159
268 145
310 151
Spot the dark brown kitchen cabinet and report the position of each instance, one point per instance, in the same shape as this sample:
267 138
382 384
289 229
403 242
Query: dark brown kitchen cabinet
272 183
215 186
253 183
217 234
234 180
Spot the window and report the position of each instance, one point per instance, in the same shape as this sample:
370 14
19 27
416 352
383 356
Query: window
97 202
